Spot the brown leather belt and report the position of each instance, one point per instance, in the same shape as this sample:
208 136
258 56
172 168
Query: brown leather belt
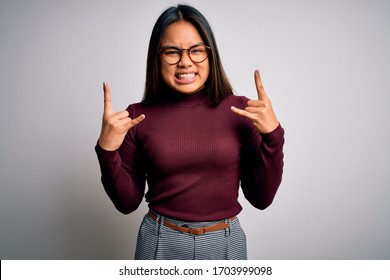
196 231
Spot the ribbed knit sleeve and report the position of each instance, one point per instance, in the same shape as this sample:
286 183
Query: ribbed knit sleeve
122 174
262 167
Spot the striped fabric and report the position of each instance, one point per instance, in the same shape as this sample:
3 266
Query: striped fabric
158 242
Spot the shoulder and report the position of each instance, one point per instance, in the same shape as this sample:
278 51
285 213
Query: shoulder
136 109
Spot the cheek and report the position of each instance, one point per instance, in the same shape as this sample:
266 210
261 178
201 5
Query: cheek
205 71
206 67
167 73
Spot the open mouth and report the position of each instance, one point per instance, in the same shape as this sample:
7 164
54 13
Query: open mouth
185 76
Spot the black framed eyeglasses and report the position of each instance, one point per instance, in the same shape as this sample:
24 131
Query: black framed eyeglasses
172 55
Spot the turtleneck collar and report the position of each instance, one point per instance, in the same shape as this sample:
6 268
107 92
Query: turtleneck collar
186 100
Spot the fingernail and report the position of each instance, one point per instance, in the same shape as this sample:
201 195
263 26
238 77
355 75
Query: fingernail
257 72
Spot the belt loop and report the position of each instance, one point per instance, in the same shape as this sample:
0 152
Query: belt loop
157 224
227 230
161 225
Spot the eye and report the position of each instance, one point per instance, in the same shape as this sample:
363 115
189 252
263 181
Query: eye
195 50
198 50
171 52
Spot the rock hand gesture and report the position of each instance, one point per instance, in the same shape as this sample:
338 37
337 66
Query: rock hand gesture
115 125
259 111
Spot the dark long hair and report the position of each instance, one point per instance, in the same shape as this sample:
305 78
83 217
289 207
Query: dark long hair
217 84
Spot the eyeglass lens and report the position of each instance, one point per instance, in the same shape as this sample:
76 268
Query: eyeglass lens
172 55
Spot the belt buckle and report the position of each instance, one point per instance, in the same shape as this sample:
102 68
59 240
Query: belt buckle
196 231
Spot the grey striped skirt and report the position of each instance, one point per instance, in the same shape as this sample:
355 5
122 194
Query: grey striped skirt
158 242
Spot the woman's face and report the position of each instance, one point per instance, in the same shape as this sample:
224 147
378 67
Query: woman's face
185 77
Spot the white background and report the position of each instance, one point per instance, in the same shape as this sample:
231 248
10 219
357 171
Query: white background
325 65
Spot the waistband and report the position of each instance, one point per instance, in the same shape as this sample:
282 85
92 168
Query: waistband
196 231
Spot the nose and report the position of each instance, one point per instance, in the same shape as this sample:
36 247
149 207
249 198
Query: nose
185 60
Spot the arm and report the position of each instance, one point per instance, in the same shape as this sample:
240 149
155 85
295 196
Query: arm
121 168
262 156
262 168
122 176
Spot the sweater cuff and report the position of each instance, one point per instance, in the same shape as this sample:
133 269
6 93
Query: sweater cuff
106 156
275 136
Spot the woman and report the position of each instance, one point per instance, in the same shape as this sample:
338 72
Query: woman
193 141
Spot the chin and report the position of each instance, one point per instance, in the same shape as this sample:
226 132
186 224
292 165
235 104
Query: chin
187 89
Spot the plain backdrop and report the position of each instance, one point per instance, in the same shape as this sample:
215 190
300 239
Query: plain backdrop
325 66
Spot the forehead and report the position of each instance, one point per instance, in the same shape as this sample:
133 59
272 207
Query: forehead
182 34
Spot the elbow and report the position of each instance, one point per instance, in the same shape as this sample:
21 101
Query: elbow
123 211
125 206
263 207
126 209
262 199
263 204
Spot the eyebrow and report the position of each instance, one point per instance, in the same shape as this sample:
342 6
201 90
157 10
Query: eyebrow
175 47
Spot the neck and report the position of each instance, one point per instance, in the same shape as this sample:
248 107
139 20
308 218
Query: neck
186 100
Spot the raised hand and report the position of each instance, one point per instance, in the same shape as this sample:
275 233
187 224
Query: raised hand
259 111
115 125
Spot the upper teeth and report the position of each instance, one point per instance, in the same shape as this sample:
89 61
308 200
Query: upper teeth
186 76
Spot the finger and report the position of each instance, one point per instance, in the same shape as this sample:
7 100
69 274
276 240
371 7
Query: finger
138 120
253 110
259 86
242 113
121 115
107 98
126 123
255 103
134 122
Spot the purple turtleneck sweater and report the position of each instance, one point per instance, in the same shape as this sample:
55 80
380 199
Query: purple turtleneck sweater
193 157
